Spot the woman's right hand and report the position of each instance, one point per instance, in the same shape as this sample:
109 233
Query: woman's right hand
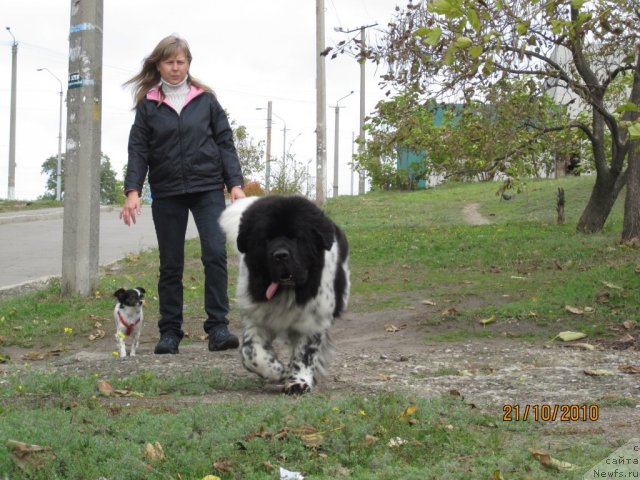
132 207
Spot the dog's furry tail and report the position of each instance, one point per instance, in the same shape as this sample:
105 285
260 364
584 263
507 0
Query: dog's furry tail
230 219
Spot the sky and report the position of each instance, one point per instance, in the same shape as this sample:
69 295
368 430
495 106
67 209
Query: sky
250 52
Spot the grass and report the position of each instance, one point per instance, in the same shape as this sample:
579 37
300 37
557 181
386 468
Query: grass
380 436
17 205
523 269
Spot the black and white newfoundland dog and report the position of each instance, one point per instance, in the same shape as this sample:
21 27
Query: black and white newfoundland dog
293 281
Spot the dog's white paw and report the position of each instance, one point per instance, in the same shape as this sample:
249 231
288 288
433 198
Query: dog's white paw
296 388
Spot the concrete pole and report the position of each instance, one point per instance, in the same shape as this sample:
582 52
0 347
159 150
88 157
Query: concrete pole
267 180
80 234
11 184
284 143
321 108
361 174
336 162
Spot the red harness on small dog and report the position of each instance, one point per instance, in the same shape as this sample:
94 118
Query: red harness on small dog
128 326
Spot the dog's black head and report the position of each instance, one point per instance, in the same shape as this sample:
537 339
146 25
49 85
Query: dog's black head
134 297
284 240
286 265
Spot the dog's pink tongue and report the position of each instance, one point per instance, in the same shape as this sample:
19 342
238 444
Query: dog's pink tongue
271 290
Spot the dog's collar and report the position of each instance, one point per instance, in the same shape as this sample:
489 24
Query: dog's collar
127 326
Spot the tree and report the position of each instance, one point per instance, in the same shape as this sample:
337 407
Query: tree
249 153
475 140
290 177
110 187
453 50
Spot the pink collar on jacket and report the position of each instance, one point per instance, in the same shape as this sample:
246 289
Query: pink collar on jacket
154 95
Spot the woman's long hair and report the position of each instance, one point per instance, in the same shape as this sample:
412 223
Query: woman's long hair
149 76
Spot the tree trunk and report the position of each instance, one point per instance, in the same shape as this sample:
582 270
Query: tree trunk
560 206
603 196
631 224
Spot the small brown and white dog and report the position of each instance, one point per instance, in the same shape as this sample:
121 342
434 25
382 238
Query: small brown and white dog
129 317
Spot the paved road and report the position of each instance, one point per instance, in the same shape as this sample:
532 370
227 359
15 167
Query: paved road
32 242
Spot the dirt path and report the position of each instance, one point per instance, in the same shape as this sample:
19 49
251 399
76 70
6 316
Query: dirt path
490 373
472 215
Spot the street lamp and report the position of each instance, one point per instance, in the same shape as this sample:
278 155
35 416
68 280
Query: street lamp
11 187
336 163
59 167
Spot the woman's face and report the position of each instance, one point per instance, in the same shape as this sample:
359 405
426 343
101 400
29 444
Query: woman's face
174 69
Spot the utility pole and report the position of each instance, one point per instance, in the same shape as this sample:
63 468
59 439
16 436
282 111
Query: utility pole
81 225
321 108
284 141
361 178
11 187
336 162
267 174
362 60
59 166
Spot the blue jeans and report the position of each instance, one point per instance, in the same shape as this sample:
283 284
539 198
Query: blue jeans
170 216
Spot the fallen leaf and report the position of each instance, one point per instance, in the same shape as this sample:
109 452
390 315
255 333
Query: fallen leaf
632 369
548 461
450 311
612 286
267 466
391 328
497 475
569 336
626 339
312 440
584 346
574 310
370 440
223 465
29 457
629 324
428 302
211 477
4 358
597 372
409 411
487 321
127 393
154 452
105 388
396 442
97 335
35 356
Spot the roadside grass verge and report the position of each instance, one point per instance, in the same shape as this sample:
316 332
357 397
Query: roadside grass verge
17 205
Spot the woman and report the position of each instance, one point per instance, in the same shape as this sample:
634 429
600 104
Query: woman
182 138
